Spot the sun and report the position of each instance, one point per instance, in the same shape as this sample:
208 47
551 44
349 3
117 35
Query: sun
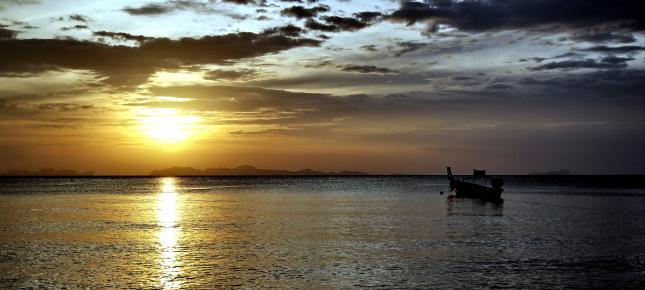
166 126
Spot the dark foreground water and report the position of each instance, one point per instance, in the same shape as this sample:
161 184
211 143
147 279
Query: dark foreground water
319 232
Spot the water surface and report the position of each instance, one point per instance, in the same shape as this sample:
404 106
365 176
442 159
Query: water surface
319 232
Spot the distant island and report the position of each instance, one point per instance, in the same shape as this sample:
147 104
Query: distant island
47 172
553 172
244 170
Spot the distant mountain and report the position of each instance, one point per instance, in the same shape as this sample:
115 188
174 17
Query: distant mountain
244 170
47 172
553 172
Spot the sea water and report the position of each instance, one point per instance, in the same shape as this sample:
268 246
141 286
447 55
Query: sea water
320 232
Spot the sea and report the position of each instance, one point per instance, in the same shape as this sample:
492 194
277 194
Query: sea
384 232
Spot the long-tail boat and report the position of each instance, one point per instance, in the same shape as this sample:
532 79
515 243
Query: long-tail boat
480 186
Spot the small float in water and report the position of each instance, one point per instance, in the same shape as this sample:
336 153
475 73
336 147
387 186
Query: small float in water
481 187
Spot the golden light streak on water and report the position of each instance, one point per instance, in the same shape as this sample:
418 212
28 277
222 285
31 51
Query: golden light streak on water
167 216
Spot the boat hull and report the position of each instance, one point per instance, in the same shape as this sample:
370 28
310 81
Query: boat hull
471 190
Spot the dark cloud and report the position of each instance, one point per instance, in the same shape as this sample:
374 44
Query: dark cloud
75 27
64 107
301 12
229 74
319 64
538 59
123 65
408 46
315 25
499 87
615 49
335 80
412 12
368 16
616 59
369 47
505 14
121 36
367 69
548 99
569 54
593 36
79 18
152 9
605 63
535 59
600 83
149 9
253 105
336 24
7 33
288 30
4 4
245 2
345 23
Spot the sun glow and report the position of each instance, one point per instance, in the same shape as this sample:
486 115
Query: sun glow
166 126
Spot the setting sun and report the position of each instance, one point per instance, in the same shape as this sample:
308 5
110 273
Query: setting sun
167 127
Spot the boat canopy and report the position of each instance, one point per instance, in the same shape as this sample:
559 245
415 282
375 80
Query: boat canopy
479 173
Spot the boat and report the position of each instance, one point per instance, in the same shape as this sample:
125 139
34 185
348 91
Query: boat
481 187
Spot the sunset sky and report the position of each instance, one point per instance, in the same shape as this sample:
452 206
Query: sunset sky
125 87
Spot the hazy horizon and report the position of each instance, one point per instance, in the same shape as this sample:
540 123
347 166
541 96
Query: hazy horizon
253 170
126 87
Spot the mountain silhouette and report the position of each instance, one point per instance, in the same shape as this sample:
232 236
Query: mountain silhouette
244 170
47 172
553 172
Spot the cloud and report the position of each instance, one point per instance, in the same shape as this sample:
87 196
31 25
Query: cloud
153 9
504 14
121 36
594 36
367 69
408 46
229 74
75 27
245 2
253 105
499 87
369 47
287 30
315 25
64 107
79 18
545 99
125 65
7 33
337 23
615 49
412 12
3 4
149 9
368 16
301 12
345 23
616 60
605 63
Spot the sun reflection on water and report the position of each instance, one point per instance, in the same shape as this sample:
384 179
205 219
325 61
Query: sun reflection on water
167 216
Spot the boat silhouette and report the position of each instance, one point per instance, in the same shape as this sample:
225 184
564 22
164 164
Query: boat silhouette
481 187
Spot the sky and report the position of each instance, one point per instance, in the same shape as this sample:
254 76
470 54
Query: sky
125 87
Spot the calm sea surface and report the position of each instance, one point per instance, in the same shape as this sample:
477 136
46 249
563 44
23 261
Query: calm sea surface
320 232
